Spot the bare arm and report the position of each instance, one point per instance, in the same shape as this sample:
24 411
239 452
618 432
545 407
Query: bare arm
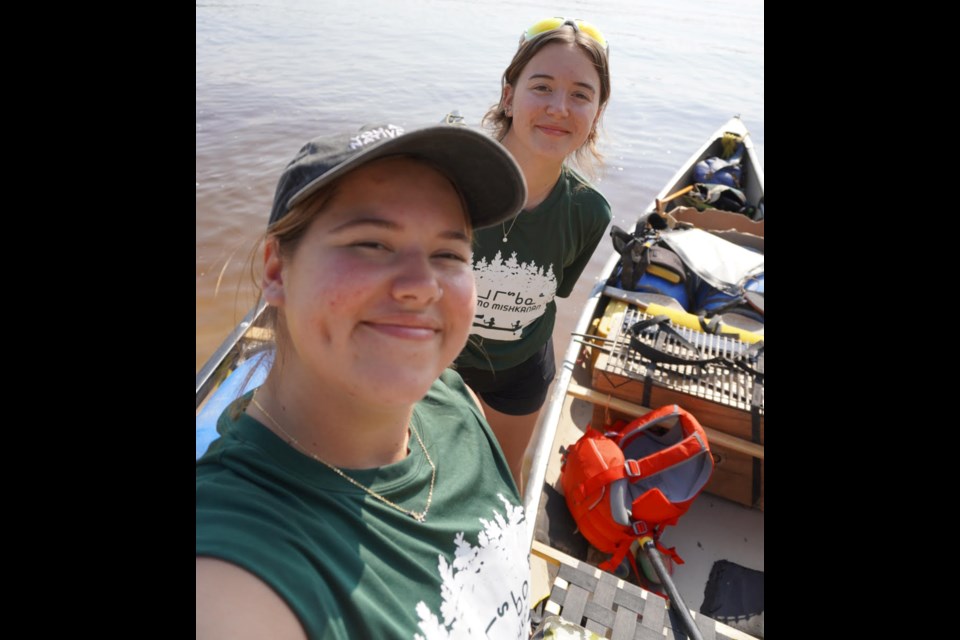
476 401
233 603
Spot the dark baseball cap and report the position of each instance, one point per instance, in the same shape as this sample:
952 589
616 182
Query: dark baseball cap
486 174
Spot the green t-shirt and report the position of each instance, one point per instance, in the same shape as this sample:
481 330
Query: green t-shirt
546 251
350 566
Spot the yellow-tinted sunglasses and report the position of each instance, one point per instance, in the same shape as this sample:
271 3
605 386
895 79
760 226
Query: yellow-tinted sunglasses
549 24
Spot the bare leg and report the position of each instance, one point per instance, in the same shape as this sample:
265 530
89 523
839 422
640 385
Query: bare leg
513 433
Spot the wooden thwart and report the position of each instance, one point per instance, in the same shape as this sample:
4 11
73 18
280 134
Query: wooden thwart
718 437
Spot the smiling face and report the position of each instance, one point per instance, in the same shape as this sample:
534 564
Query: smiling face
377 296
554 103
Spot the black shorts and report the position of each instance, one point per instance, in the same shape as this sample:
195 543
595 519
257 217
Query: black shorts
519 390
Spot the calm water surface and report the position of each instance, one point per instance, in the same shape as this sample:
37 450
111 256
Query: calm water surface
274 73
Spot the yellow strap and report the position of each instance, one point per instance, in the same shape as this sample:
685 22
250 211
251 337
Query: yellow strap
685 319
666 274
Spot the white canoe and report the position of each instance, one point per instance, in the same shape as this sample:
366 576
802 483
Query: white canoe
717 534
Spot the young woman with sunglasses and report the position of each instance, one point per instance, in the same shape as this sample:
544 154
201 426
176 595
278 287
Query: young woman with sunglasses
553 96
359 493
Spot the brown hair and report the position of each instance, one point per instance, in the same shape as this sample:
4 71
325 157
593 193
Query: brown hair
497 119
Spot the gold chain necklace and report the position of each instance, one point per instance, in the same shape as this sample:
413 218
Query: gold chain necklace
504 227
418 516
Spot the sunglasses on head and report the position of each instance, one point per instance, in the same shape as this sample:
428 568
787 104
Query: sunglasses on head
549 24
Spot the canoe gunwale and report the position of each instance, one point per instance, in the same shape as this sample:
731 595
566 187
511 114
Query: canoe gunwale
227 355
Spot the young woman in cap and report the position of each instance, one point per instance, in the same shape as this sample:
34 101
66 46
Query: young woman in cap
553 95
359 493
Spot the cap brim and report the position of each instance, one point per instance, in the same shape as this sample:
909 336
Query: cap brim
489 178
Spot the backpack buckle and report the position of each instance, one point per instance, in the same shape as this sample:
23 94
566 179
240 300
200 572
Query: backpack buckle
632 468
636 532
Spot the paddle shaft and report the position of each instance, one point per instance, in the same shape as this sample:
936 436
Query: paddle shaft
682 318
650 548
672 196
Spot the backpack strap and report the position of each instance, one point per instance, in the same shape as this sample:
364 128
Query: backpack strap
689 447
623 547
662 324
692 444
621 550
672 551
642 252
632 256
601 479
663 262
751 356
635 261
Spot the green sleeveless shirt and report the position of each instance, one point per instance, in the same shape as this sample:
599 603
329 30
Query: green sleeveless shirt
350 566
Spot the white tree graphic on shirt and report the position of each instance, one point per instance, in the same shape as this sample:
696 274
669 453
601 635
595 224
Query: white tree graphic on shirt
510 295
485 591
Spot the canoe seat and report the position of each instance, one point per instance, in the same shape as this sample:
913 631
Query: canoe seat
248 375
614 608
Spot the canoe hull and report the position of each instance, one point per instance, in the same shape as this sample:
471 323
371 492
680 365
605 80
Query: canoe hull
718 536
